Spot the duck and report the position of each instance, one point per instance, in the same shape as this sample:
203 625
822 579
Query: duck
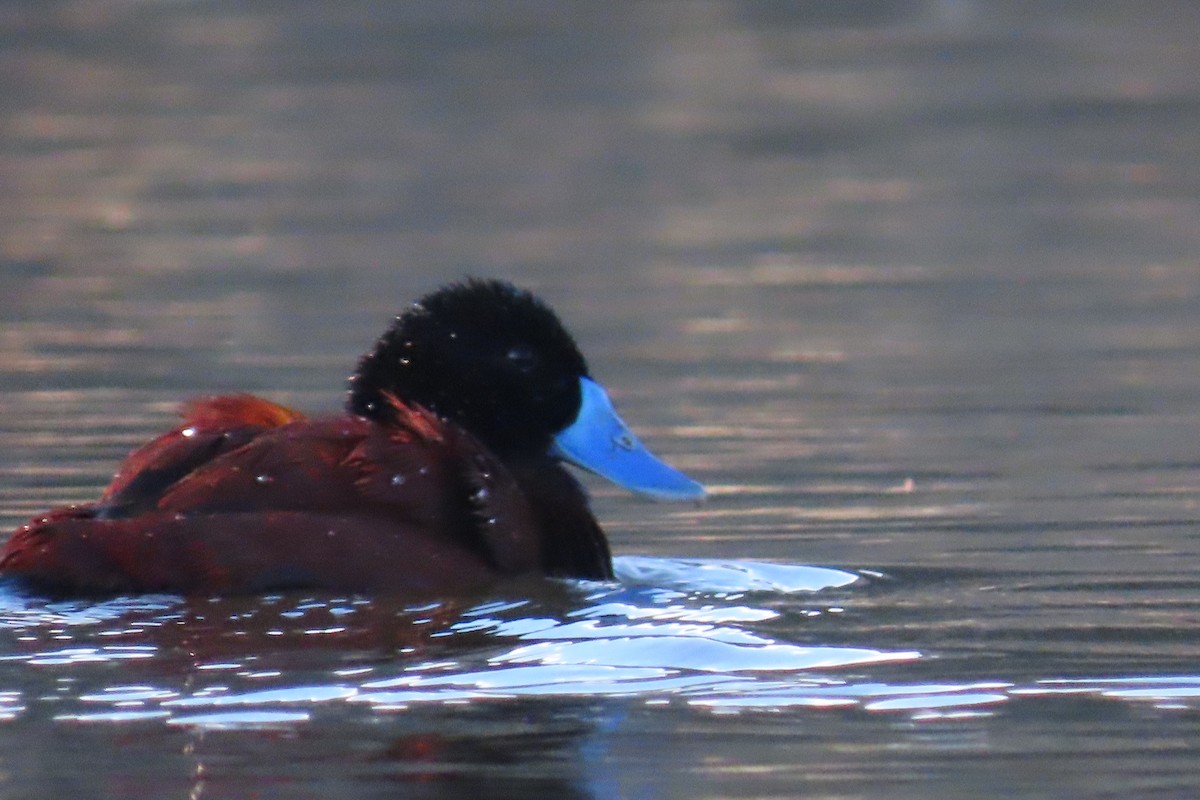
444 474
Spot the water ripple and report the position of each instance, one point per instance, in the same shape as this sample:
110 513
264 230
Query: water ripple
719 576
686 633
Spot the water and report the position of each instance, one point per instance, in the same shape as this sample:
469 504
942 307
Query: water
912 287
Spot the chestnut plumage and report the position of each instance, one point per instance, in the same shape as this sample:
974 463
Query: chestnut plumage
444 475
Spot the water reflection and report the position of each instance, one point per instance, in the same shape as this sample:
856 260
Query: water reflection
691 633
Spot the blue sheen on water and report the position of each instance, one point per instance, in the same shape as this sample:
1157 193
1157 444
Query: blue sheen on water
703 639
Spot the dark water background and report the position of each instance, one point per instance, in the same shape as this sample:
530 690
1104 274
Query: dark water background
912 286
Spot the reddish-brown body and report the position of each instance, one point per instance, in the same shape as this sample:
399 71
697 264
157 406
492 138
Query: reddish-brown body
247 496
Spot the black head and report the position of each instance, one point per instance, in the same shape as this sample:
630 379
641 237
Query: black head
483 353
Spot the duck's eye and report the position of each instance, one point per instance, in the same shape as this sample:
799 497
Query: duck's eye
521 357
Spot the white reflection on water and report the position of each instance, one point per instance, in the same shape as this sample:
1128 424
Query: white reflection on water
228 720
685 633
20 611
291 695
714 575
83 655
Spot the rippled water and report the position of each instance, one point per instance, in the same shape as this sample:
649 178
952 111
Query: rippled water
505 686
680 639
912 287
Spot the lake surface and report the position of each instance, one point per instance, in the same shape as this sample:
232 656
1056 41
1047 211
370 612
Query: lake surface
911 286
